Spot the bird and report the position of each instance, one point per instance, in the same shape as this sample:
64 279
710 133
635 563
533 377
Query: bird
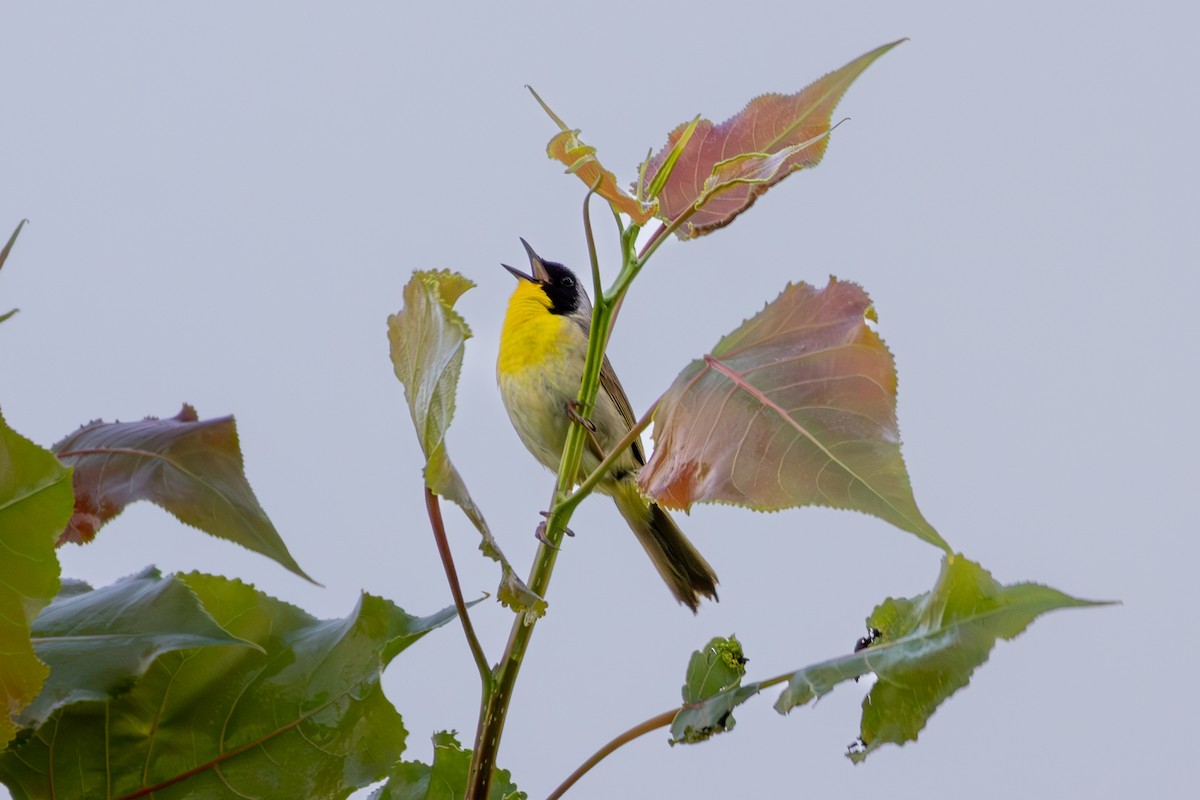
543 347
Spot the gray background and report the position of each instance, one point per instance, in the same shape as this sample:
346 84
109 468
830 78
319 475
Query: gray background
226 202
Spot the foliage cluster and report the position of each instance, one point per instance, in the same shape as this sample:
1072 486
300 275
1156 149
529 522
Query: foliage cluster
198 685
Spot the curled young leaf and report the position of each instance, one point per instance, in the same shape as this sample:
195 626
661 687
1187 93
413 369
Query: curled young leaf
580 159
796 407
778 133
188 466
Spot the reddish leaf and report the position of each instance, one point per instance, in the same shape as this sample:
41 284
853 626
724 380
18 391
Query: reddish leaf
796 407
713 190
189 467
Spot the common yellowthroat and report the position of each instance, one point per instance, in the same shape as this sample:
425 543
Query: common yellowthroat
543 347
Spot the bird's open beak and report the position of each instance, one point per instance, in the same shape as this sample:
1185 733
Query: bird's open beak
535 262
537 267
520 275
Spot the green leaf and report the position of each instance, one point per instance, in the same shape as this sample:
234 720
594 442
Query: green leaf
721 664
922 649
446 779
190 467
427 339
796 407
925 648
306 718
782 133
712 689
99 643
35 504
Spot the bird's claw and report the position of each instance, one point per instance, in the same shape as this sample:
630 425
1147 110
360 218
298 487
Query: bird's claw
574 415
588 426
539 533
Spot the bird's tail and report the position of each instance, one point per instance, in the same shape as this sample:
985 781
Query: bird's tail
685 571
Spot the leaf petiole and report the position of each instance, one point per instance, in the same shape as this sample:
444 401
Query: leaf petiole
434 509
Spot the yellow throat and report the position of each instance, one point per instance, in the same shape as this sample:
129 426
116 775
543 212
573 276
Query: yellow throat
531 334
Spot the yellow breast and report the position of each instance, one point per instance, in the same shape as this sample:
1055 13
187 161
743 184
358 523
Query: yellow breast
531 334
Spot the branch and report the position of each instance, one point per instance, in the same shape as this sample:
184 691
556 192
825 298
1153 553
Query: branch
491 724
492 717
654 723
659 232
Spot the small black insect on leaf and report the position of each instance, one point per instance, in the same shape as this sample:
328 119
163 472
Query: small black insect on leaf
868 640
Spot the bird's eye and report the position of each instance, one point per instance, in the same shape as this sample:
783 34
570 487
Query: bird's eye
567 281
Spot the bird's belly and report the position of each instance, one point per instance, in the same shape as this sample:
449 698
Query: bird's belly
537 406
539 383
536 400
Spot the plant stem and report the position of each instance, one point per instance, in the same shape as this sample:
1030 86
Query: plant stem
652 242
492 716
487 742
495 709
433 507
654 723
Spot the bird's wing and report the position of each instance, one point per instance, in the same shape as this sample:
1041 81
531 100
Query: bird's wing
610 384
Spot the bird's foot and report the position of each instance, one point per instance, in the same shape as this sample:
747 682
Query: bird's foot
540 532
588 426
574 415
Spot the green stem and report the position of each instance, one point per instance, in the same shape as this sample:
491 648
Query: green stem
495 711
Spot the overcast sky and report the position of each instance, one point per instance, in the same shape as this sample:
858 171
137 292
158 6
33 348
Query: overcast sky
226 200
